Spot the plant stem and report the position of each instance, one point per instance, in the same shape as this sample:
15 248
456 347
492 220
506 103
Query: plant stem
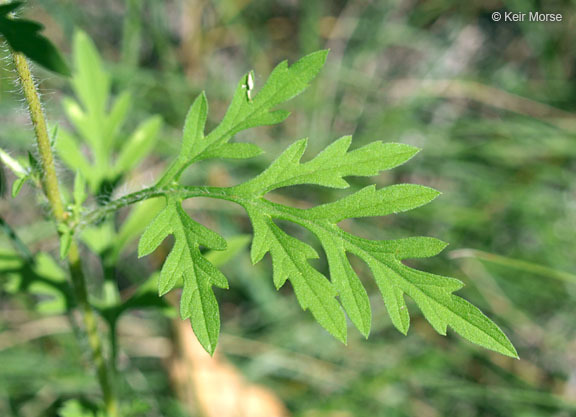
91 324
49 178
153 192
51 189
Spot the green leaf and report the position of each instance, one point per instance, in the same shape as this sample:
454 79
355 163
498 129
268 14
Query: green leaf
18 184
194 126
10 7
54 136
35 167
352 294
65 242
117 117
91 82
186 262
23 36
326 298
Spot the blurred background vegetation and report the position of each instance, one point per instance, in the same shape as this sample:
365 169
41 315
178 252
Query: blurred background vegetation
492 105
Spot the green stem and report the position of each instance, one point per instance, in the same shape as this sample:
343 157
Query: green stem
51 189
153 192
115 205
49 178
91 324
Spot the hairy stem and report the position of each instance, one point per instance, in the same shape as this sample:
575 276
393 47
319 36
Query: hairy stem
49 178
51 189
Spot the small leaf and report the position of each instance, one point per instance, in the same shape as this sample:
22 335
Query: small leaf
418 247
54 136
65 242
186 263
17 185
283 84
117 117
99 148
91 83
34 164
194 126
199 304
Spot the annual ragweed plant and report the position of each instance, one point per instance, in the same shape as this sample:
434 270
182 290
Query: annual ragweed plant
101 153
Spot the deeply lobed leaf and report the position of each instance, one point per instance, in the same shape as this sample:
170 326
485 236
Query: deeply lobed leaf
327 299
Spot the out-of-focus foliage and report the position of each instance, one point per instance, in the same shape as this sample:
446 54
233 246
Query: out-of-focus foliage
491 104
99 128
